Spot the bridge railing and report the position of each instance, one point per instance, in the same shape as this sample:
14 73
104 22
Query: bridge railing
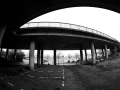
64 25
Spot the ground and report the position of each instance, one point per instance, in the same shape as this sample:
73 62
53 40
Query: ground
103 76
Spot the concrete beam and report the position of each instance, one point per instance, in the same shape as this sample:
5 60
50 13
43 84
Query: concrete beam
54 56
15 52
106 52
31 60
96 53
7 53
115 50
93 53
86 54
38 57
81 54
2 30
42 57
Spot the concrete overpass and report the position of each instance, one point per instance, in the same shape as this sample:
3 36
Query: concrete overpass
59 36
16 13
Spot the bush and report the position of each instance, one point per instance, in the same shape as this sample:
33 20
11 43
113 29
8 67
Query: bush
19 56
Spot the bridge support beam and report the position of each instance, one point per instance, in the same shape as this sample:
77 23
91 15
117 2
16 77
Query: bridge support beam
42 57
1 52
7 53
38 57
54 56
102 52
86 54
93 52
31 60
96 53
106 52
81 54
15 51
115 50
3 26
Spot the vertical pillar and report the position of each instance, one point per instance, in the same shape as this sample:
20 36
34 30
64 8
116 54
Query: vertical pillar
93 52
81 54
115 50
96 53
15 51
3 26
106 52
85 54
7 53
1 52
31 60
54 56
38 57
102 53
42 57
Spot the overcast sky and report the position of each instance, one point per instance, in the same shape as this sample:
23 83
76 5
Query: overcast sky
99 19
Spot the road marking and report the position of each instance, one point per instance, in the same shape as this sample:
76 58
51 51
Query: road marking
10 84
30 76
50 71
40 71
42 77
63 77
63 84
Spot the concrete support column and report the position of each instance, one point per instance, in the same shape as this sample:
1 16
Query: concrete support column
1 52
85 54
93 52
42 57
15 52
102 53
115 50
106 52
7 53
31 60
54 56
38 57
96 53
81 54
2 30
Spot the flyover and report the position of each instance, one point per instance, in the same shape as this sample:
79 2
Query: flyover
59 36
16 13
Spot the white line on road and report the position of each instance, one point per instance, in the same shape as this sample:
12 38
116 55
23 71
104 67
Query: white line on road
10 84
40 71
63 84
50 71
30 76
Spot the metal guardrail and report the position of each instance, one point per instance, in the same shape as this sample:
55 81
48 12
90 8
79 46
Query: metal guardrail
64 25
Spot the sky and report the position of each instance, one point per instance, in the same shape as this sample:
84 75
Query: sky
103 20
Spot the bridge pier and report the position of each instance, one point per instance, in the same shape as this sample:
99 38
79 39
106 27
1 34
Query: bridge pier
96 53
15 51
2 30
42 57
93 52
81 54
7 53
85 54
54 56
38 57
106 52
1 52
102 52
31 60
115 50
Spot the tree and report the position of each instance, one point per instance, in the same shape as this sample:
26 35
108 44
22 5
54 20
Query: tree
76 56
59 54
47 57
69 56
